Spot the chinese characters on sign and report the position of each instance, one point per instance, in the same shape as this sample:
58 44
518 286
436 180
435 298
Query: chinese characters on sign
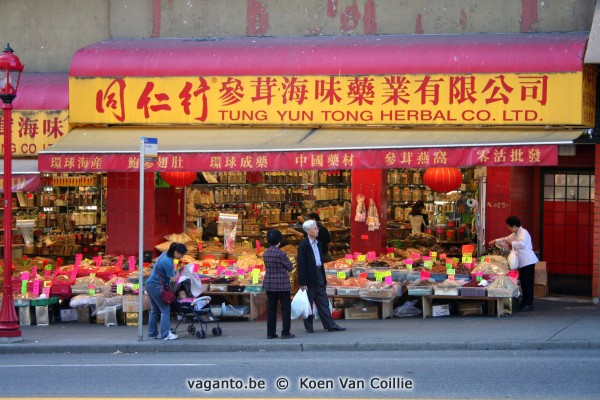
36 130
493 99
322 160
22 183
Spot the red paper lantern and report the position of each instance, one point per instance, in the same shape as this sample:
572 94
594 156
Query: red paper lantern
443 180
178 179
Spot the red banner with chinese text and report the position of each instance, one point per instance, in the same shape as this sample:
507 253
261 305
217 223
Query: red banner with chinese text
22 183
534 155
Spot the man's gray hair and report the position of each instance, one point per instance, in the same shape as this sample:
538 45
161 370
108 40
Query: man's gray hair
308 224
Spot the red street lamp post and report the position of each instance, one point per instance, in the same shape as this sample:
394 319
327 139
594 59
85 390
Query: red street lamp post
10 75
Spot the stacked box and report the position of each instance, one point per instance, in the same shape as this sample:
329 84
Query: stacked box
83 314
361 313
130 303
131 318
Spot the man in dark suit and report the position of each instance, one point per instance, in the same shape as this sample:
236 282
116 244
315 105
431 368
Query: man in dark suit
311 277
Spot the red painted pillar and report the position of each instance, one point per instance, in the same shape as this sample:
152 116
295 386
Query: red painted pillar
498 204
372 184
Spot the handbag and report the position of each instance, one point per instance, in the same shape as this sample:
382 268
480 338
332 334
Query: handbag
166 293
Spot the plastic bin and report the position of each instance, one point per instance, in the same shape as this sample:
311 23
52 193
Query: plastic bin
420 290
445 291
473 291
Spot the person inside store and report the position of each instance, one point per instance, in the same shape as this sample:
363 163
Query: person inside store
277 285
209 232
311 278
163 273
418 220
520 241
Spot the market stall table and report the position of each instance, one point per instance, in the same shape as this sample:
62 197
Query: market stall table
499 303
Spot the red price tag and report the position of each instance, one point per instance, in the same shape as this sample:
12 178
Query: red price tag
425 275
131 263
34 271
362 275
257 246
199 246
364 237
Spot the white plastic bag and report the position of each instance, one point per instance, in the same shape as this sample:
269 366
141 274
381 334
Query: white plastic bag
300 305
513 260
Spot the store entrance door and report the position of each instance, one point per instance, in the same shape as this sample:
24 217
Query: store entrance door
567 219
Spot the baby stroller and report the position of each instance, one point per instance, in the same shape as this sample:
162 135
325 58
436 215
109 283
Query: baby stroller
193 308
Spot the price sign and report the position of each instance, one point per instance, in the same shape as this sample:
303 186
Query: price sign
120 261
487 259
25 276
257 246
349 261
468 248
514 273
451 271
389 250
24 286
361 257
378 276
391 255
482 259
120 288
132 263
199 246
93 274
433 254
478 276
426 258
388 280
78 258
467 254
443 256
220 269
348 257
415 256
36 287
223 263
34 271
455 260
371 256
408 266
467 259
47 270
362 275
425 275
92 289
255 276
356 254
428 264
228 272
136 287
448 266
387 273
47 286
341 274
241 271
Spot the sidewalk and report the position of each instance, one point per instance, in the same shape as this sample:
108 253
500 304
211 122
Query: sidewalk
556 323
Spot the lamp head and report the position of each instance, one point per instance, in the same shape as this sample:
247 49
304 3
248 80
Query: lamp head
10 74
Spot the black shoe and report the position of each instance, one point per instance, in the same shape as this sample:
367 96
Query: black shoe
272 336
336 329
526 308
290 336
310 331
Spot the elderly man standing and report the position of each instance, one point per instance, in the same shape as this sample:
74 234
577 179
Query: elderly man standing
311 277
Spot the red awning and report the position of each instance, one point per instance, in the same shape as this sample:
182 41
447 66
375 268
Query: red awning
333 55
44 91
269 149
25 175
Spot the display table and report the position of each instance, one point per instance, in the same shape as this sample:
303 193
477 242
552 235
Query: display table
387 305
498 306
255 300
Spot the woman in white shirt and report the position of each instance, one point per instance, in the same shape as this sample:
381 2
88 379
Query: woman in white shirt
417 219
520 241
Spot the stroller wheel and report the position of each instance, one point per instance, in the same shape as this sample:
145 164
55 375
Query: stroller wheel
200 334
217 331
191 330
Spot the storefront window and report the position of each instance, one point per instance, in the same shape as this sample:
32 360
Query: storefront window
578 186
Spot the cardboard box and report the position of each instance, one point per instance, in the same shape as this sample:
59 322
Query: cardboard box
470 308
541 273
131 318
68 315
361 313
540 290
83 314
130 303
440 310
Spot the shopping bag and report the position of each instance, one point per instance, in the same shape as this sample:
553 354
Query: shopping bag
300 305
513 260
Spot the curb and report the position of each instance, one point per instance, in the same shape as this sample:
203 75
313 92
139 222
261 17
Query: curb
297 347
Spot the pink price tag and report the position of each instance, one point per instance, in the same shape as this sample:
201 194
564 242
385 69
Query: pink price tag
425 275
356 254
34 271
120 261
98 261
220 269
131 263
371 256
47 289
513 273
229 273
46 273
199 246
241 271
349 257
415 256
78 258
388 280
25 276
257 246
408 261
390 250
36 287
426 258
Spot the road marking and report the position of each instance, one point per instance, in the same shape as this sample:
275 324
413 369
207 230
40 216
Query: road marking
105 365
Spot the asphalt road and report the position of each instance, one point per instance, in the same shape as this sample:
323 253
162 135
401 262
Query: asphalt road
560 374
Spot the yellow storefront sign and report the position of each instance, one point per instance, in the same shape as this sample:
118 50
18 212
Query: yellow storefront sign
478 99
33 131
